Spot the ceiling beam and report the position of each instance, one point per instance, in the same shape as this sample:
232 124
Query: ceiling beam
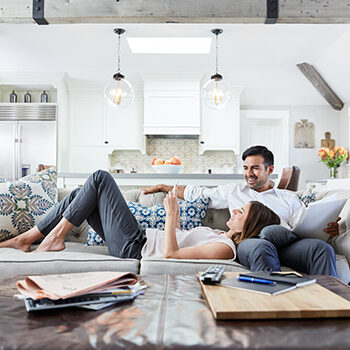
320 84
176 11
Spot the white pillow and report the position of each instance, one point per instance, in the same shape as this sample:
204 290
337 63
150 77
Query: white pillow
25 202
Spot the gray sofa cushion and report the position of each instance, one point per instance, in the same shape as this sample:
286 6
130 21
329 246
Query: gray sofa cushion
184 266
75 258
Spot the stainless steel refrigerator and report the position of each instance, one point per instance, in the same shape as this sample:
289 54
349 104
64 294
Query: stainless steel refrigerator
27 139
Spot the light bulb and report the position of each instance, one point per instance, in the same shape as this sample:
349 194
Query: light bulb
215 94
119 93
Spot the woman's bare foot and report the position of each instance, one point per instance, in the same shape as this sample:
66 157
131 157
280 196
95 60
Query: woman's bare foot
51 243
23 241
16 243
54 241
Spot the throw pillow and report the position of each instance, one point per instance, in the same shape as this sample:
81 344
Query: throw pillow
307 197
191 215
94 238
25 202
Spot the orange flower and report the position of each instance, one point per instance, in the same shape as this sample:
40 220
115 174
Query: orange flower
321 153
331 153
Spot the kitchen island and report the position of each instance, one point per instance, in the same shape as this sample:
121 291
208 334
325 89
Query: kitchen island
136 180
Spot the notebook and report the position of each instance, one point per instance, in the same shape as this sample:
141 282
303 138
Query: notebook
284 282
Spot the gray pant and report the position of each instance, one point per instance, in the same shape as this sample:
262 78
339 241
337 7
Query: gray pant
101 203
279 246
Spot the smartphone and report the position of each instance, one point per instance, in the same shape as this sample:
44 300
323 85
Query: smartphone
176 183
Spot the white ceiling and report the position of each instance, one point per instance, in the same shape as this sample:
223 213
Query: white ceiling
260 58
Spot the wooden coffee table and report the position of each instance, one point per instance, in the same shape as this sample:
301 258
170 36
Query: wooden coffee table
171 315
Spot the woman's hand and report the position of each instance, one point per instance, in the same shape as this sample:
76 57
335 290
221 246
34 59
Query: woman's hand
171 204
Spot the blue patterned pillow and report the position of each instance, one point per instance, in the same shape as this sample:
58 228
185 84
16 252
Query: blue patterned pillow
93 238
191 215
25 202
307 197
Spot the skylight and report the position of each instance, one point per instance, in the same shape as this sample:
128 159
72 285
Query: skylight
170 45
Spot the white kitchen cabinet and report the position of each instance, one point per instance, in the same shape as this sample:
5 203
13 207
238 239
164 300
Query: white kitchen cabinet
171 107
86 116
124 127
220 130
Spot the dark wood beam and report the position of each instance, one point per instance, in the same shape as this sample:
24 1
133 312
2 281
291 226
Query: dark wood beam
321 85
178 11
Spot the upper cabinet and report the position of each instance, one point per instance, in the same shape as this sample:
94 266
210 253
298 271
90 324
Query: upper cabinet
220 129
123 127
171 107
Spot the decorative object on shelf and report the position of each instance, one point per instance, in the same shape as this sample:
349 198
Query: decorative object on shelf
44 97
332 158
119 92
304 134
13 97
328 142
215 93
27 97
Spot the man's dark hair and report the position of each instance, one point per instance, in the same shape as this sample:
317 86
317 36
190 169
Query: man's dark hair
259 151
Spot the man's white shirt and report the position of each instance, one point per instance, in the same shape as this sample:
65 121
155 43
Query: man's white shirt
285 204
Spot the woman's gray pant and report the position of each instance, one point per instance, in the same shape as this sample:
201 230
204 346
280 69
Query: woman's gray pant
278 246
101 203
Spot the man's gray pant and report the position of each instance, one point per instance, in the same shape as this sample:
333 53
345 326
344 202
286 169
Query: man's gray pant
101 203
278 246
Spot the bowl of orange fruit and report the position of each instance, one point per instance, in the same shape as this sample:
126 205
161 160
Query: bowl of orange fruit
172 165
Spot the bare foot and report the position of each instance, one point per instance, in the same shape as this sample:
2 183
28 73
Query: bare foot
51 244
17 243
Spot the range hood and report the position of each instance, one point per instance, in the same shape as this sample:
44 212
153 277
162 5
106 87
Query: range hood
172 107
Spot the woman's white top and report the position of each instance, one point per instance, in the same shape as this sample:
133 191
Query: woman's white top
185 238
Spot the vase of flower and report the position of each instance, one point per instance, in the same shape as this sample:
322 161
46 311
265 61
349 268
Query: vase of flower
333 173
332 158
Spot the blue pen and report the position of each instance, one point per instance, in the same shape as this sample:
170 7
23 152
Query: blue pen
255 280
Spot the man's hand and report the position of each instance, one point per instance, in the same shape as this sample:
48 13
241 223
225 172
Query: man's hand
156 188
164 188
332 229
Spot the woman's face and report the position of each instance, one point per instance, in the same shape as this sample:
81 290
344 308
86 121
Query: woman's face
238 218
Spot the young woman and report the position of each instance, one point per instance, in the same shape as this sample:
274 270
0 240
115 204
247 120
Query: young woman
102 204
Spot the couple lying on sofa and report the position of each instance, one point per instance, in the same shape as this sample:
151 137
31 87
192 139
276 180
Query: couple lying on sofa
102 204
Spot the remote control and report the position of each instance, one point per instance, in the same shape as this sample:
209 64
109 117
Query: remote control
212 274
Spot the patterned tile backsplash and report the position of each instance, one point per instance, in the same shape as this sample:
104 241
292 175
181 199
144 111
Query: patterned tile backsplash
164 148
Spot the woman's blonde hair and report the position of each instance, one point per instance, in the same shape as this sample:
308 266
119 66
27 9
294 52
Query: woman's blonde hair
258 217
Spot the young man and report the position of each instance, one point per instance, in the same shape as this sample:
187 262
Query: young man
280 247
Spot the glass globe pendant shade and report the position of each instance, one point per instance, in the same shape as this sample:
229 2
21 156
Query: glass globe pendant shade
215 93
119 92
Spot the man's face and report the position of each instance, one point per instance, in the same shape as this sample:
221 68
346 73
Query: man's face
255 173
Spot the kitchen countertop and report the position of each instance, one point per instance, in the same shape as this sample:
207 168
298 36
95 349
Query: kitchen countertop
162 176
136 180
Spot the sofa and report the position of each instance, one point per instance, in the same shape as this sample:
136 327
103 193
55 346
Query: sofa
78 257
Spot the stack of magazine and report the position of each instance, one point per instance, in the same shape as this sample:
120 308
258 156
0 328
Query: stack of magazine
272 283
90 290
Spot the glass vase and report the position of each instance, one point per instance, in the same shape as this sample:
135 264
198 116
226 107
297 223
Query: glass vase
333 172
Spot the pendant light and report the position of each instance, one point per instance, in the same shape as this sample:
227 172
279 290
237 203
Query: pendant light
215 93
119 92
